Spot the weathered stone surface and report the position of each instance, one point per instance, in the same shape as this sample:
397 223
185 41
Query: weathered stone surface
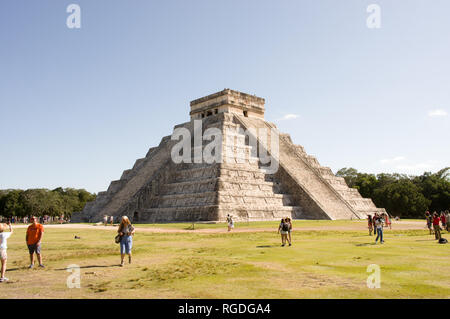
158 190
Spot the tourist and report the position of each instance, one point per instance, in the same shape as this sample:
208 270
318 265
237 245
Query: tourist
3 247
105 220
288 220
387 220
429 220
111 220
283 229
443 220
126 232
33 239
230 222
437 228
379 223
447 218
374 219
369 224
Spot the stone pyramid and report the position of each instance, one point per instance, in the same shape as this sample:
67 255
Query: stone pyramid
159 189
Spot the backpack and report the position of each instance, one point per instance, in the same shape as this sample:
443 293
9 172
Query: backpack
443 241
285 227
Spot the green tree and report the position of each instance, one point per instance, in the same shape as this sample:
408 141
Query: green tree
401 198
349 174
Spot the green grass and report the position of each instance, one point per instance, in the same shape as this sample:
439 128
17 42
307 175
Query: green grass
320 264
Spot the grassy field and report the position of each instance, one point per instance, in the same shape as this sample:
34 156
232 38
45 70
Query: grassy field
247 264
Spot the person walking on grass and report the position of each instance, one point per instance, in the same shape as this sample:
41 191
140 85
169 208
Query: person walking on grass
374 219
387 219
370 224
4 235
379 223
443 220
111 220
230 222
289 237
126 232
283 229
447 218
437 228
429 219
33 239
105 220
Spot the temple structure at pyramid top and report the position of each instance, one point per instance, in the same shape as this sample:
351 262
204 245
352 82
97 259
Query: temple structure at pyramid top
228 101
160 189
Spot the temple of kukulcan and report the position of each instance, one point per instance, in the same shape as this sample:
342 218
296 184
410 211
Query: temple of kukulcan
219 163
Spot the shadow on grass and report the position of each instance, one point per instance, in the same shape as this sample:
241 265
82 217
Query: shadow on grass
268 246
365 244
93 266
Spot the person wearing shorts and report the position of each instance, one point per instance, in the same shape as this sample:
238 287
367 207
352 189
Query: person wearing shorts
33 239
3 247
283 229
126 232
289 236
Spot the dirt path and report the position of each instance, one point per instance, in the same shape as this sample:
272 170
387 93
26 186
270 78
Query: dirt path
400 225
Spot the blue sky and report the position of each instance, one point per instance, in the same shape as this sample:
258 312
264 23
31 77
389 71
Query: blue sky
79 106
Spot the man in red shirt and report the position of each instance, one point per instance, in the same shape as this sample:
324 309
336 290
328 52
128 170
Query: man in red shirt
33 238
437 228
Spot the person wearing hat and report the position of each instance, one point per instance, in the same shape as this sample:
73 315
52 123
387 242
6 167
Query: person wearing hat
4 235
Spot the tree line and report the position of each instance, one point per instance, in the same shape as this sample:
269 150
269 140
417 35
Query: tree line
41 202
403 195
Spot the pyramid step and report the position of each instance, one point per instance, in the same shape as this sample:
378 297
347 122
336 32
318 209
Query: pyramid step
252 198
300 149
138 163
326 171
184 173
237 174
349 193
115 186
362 203
151 151
336 182
184 200
312 160
232 184
189 187
179 214
126 174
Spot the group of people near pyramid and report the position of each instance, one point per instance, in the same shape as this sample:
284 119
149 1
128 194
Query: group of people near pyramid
376 224
435 219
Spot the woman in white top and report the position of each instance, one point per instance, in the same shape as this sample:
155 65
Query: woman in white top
3 247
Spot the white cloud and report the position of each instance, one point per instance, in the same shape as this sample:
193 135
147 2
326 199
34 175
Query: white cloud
288 117
392 160
437 112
